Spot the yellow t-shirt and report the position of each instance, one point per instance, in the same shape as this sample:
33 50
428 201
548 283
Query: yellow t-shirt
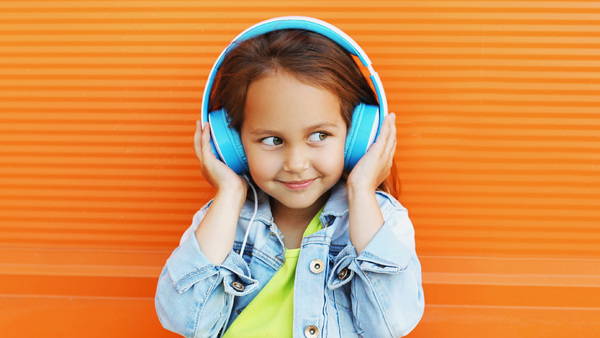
270 313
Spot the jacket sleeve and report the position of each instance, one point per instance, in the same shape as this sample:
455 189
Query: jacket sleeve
386 276
194 297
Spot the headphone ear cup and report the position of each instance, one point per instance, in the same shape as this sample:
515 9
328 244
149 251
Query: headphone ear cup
226 142
363 131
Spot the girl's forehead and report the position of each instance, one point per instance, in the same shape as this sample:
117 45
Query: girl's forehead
282 98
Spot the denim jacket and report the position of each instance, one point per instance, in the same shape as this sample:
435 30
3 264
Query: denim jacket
337 293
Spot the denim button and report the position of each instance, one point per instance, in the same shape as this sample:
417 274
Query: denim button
317 266
237 286
311 331
343 274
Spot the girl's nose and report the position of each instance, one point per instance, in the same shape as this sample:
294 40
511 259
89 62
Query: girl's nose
296 160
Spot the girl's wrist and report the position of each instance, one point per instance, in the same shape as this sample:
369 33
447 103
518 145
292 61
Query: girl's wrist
355 189
358 195
365 215
234 195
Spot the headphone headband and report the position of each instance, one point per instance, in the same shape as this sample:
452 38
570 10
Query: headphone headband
309 24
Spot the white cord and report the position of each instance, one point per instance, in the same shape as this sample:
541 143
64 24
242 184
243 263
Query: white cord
253 215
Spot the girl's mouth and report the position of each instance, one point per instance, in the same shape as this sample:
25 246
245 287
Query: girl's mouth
298 185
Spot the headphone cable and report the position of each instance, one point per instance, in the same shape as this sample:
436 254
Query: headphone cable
253 215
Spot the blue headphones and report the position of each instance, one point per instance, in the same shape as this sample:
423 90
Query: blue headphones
366 119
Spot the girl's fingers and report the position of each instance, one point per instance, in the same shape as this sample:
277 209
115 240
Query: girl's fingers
387 136
381 141
387 154
385 130
202 141
205 140
391 142
197 139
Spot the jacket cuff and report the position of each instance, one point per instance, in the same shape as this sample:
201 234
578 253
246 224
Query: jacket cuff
341 274
384 254
188 265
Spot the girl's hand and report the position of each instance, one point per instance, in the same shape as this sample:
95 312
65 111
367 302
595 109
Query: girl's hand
375 166
365 215
216 231
217 173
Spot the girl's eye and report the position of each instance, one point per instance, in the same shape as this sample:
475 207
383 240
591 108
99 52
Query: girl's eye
272 141
318 136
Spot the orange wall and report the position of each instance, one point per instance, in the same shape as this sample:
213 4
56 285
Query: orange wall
498 106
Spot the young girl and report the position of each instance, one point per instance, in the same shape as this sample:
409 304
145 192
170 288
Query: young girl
321 250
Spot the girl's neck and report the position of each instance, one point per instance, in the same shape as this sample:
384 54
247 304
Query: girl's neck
292 222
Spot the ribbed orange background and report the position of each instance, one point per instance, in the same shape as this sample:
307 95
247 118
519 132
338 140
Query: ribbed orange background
498 106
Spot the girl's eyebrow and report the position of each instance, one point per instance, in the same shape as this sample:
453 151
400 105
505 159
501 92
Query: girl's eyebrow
260 131
322 125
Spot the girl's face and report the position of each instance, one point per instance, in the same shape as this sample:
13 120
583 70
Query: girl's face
294 138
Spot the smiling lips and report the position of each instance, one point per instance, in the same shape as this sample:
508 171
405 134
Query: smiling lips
298 185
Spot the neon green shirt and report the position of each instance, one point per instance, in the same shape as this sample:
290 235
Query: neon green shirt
270 313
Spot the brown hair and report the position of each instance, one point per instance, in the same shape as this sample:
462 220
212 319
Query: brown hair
312 58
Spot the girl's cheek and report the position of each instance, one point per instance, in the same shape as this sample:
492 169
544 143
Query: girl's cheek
261 165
